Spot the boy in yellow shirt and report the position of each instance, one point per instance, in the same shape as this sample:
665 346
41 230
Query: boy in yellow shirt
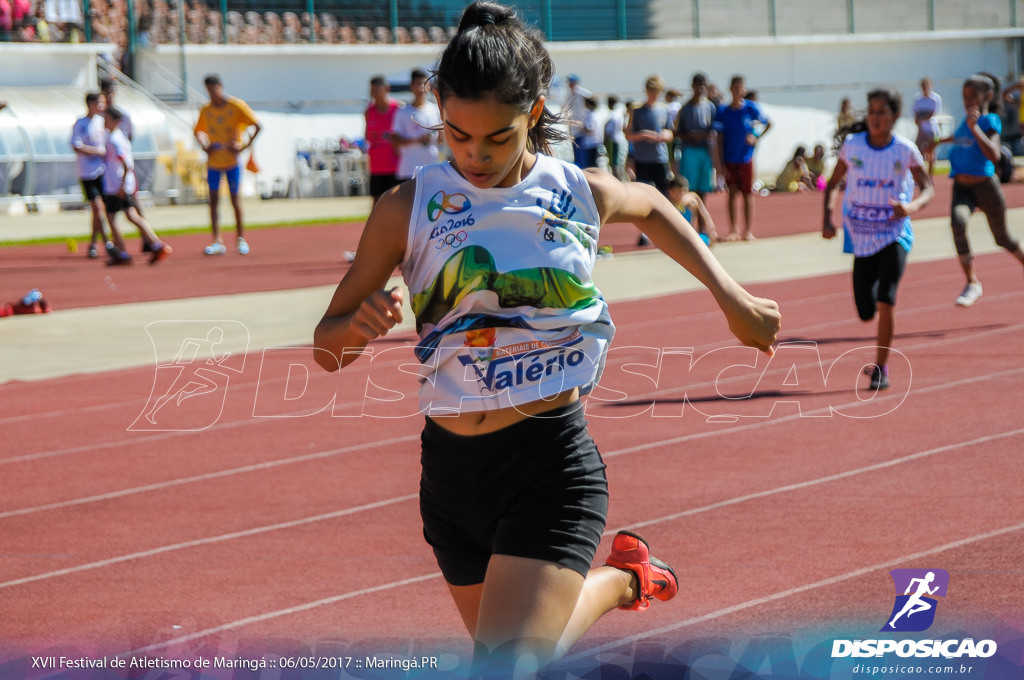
222 124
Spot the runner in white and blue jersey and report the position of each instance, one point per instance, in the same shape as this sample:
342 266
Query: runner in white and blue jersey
880 170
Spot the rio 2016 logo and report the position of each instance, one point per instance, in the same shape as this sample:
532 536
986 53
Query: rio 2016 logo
447 204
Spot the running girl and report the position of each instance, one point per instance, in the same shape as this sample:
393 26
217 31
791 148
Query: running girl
880 169
513 331
976 149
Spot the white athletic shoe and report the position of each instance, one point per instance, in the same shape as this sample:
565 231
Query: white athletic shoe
243 247
215 249
972 291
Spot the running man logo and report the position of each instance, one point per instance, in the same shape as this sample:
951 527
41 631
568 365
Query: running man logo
446 204
914 609
190 389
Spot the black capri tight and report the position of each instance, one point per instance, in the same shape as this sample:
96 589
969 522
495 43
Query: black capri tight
876 278
988 197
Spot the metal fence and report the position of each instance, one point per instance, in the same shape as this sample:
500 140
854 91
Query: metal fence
129 24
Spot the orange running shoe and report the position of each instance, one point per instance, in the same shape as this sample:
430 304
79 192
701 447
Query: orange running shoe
630 552
159 252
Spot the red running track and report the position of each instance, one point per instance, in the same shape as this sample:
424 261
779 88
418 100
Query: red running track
781 493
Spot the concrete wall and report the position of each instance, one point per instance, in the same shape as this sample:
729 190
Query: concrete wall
811 71
38 64
801 80
310 92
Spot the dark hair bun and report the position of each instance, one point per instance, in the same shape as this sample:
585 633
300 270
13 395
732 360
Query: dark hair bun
483 14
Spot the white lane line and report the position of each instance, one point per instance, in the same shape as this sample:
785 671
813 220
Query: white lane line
208 541
280 612
824 480
159 486
825 410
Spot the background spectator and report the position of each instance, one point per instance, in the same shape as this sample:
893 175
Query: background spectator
416 129
739 136
927 104
380 119
695 130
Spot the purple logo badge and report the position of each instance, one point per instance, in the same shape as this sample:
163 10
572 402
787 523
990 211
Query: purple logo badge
916 590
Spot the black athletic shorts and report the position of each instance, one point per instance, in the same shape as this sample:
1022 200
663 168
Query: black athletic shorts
114 203
535 489
379 184
92 188
657 174
876 278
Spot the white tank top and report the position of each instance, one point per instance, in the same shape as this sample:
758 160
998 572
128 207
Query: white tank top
500 283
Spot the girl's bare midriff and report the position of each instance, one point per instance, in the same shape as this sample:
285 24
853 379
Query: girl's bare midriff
484 422
971 179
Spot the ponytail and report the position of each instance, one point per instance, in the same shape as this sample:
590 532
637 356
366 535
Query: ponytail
858 125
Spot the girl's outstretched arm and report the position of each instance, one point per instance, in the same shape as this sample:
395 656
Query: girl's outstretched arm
361 309
754 321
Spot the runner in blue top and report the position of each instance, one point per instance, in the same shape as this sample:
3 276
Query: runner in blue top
497 248
972 159
880 169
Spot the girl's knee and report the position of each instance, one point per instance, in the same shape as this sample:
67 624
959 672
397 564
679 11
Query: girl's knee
959 216
1007 242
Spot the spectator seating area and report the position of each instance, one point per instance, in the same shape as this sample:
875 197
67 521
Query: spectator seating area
39 21
157 22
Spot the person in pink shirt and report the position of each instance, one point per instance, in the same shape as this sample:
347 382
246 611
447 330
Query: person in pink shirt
20 10
6 17
383 157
